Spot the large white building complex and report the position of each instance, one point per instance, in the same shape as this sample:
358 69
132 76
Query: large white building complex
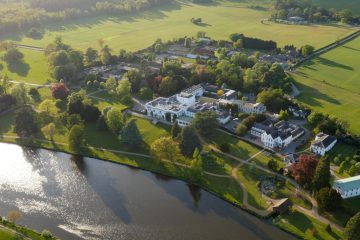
348 187
182 107
278 135
323 143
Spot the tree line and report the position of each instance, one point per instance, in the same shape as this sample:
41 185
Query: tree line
283 9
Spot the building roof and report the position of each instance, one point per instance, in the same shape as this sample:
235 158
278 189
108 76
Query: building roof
323 140
192 89
282 205
348 183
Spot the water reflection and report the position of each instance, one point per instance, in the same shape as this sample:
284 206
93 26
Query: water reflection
83 198
195 193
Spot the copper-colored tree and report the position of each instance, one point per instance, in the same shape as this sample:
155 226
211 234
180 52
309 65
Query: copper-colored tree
303 171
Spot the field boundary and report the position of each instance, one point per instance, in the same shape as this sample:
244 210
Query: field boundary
328 48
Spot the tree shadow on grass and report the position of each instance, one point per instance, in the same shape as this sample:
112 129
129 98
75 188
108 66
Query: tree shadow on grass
351 48
300 221
203 24
21 68
333 64
312 96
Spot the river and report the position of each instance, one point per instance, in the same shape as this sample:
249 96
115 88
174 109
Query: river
85 198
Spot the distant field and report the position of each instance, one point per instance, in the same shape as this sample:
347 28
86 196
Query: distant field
34 68
353 5
220 19
330 83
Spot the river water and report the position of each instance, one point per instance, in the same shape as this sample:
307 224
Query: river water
85 198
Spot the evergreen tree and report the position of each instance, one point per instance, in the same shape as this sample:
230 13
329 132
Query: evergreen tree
322 175
175 130
189 141
352 228
130 134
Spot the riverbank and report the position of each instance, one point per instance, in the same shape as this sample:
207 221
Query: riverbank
11 231
224 188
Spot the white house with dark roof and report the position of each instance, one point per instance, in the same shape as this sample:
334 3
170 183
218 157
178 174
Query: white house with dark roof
278 135
323 143
348 187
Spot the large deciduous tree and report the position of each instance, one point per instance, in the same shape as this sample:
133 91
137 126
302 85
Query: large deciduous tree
59 91
25 122
303 171
165 148
115 120
76 138
206 123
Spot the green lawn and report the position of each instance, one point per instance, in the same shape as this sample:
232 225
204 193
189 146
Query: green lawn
353 5
330 83
302 225
243 149
227 188
250 176
5 235
137 31
103 100
34 68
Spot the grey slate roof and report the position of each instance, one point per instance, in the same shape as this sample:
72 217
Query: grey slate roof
325 141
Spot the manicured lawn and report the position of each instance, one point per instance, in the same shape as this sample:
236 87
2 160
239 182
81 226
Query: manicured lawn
289 191
330 83
103 100
302 225
214 163
353 5
5 235
34 68
243 149
227 188
220 19
250 176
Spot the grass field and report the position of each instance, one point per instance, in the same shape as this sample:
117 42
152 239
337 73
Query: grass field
220 19
34 68
330 83
5 235
353 5
303 225
243 149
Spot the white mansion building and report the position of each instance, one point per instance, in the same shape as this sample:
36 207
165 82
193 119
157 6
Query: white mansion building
278 135
323 143
348 187
182 107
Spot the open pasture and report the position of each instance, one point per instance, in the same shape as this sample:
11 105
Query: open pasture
330 83
219 20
